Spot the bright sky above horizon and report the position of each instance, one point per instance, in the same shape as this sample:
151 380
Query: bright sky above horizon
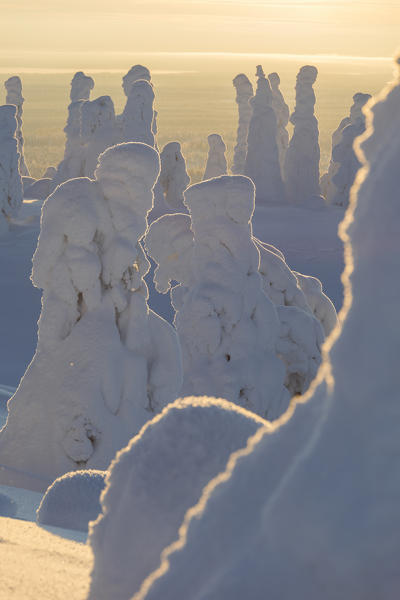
49 31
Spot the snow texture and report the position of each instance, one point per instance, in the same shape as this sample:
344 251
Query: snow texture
173 177
216 161
244 91
227 327
319 303
134 74
154 481
262 160
328 188
344 156
72 164
104 363
301 171
282 117
13 87
11 192
72 500
322 517
137 118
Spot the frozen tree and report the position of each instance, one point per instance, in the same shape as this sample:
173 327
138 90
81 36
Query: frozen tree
11 192
72 164
227 327
344 156
282 117
135 73
13 87
81 86
262 160
328 188
154 481
173 176
98 131
137 118
244 91
313 510
104 363
302 157
216 161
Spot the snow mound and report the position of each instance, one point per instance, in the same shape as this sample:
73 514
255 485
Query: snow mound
154 481
72 500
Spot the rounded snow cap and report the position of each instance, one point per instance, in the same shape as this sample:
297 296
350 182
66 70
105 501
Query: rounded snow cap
216 142
81 85
13 84
308 74
243 83
124 161
136 72
274 79
229 194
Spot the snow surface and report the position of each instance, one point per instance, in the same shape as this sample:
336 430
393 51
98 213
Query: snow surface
325 523
72 500
154 481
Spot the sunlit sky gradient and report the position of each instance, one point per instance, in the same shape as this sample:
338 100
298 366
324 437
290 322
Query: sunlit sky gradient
46 30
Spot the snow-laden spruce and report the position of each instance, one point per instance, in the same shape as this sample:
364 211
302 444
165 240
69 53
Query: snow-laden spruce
228 328
262 160
216 161
244 91
344 155
301 170
154 481
282 117
173 178
328 188
135 73
104 363
98 131
137 118
10 179
169 241
312 510
13 87
72 164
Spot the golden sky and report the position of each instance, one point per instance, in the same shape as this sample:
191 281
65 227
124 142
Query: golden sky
50 30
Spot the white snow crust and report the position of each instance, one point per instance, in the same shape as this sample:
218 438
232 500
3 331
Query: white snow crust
154 481
322 517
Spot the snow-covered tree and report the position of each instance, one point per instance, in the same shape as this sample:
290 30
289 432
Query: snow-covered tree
134 74
137 118
262 160
244 91
282 117
105 363
98 131
216 161
328 188
13 87
301 171
344 156
173 176
11 192
313 509
227 327
154 481
72 164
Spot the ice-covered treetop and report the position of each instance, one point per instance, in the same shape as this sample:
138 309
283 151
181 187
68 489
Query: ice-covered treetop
13 86
305 96
263 95
359 100
8 122
244 88
173 177
169 241
95 113
81 86
274 79
138 113
136 72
